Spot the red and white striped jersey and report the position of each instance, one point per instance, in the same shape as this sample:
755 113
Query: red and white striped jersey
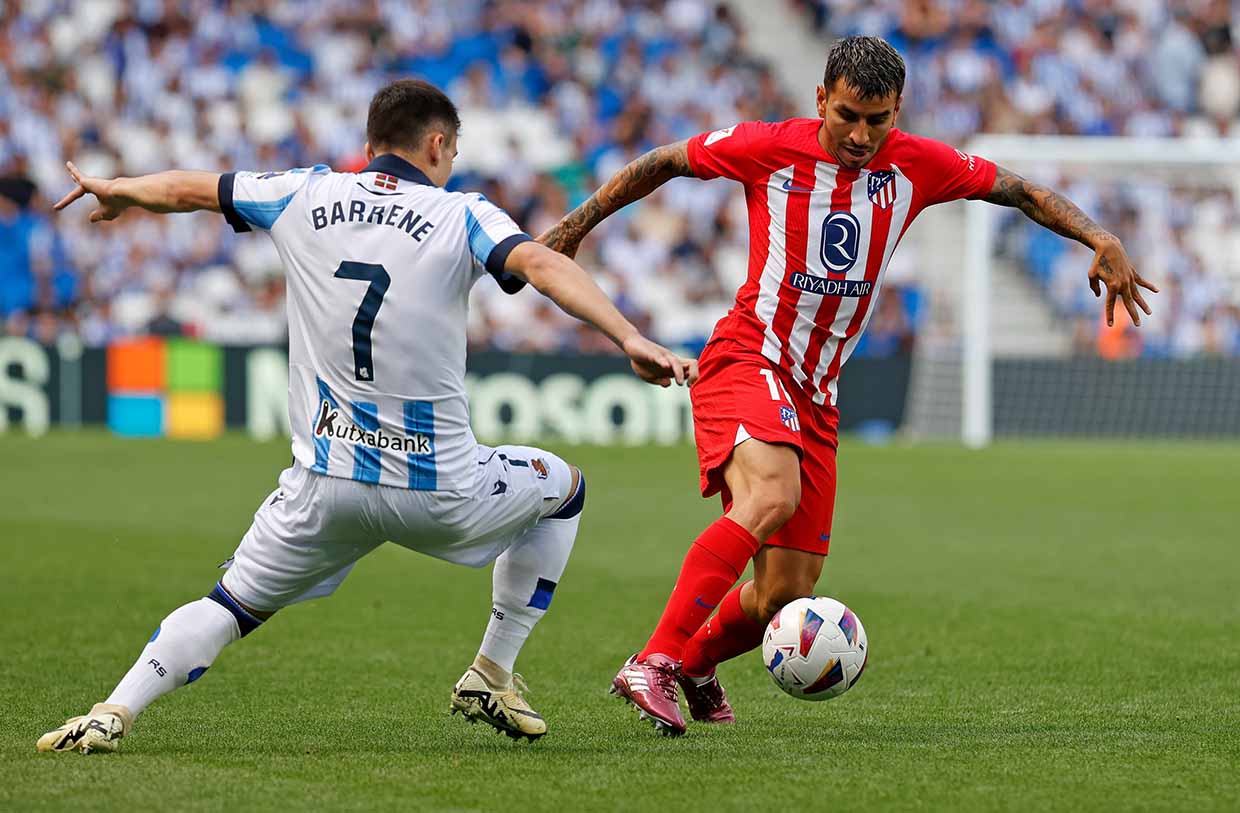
821 235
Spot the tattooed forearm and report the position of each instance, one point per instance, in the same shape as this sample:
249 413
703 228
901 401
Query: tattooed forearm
637 180
1047 208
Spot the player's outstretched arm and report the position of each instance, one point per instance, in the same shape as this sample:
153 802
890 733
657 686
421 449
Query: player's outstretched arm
568 285
172 191
1111 266
635 181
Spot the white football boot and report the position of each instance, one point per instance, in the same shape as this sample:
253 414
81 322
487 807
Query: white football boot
504 709
100 730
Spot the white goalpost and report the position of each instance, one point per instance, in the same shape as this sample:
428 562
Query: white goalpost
1197 164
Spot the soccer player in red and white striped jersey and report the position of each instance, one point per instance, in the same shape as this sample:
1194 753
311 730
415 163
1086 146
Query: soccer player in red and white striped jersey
829 199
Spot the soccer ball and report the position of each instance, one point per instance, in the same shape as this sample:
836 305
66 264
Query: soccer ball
815 648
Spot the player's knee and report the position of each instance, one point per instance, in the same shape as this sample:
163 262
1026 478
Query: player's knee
575 502
773 505
248 619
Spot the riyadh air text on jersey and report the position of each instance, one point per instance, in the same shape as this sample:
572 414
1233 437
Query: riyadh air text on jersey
830 287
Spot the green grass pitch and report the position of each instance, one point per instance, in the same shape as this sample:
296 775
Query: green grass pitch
1052 626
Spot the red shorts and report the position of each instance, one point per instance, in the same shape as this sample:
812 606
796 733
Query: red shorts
741 395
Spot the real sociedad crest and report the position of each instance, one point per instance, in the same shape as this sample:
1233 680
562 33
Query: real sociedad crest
881 187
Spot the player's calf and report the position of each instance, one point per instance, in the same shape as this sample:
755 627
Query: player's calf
781 575
183 647
526 575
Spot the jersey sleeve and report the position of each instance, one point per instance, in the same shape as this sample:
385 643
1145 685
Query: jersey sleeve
492 236
255 200
951 174
729 153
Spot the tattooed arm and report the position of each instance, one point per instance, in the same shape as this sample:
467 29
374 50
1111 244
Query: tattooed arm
1111 266
637 180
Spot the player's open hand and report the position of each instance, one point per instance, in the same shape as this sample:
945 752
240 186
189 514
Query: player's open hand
655 364
110 205
1112 268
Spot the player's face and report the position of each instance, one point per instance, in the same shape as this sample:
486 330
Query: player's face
853 128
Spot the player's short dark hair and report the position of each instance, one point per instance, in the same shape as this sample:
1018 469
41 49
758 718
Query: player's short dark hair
403 111
869 65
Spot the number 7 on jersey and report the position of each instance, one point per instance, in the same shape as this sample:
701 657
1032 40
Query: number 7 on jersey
364 322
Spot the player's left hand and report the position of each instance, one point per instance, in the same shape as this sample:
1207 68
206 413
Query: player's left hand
1112 268
110 205
655 364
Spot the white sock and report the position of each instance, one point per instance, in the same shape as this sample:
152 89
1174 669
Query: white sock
525 576
186 643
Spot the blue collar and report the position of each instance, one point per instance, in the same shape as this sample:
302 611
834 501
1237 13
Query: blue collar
395 165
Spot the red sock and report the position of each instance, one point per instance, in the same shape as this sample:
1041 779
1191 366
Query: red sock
712 565
728 634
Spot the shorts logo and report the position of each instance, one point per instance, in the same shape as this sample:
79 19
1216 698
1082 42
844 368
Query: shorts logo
841 234
788 417
540 467
327 427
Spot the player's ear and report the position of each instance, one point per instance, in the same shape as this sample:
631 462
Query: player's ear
895 112
435 145
370 153
822 102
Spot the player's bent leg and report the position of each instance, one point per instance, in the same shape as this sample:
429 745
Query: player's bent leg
284 555
183 647
764 480
780 576
526 575
523 583
728 634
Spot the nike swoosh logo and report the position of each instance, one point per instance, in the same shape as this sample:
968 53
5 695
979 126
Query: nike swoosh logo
823 537
788 187
698 601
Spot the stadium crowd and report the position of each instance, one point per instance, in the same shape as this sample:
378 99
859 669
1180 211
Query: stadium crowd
134 87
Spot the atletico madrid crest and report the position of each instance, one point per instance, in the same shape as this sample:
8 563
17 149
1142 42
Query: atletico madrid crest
881 187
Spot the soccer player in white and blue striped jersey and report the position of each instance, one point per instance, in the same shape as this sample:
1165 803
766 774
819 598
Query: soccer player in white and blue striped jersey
379 266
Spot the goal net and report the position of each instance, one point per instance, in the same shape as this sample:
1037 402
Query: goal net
1015 345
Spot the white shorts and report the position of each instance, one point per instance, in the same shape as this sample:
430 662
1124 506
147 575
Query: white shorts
309 532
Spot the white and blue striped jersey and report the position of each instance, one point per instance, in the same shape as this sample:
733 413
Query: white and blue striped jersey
379 266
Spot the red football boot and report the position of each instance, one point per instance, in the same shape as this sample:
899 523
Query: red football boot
707 701
650 685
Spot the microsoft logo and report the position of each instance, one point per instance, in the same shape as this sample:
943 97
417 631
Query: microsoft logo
165 387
